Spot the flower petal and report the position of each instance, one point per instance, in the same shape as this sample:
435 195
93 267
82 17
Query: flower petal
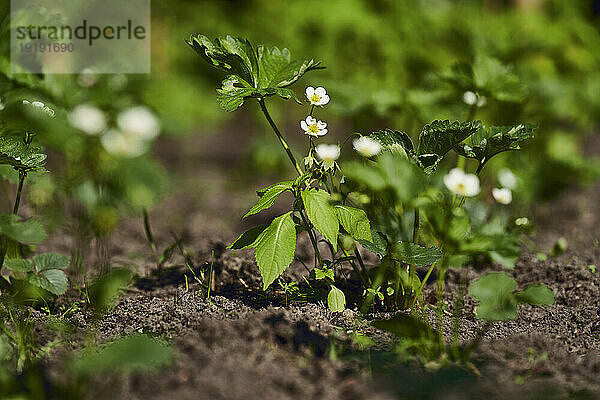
321 125
311 120
324 100
320 91
309 91
303 125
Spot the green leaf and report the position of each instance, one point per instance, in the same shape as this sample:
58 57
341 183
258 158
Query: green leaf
495 293
53 280
47 261
322 214
256 73
405 326
487 142
539 295
129 354
412 253
234 55
439 137
394 141
366 175
355 222
377 246
283 184
18 265
26 232
278 70
14 151
275 248
336 300
248 239
267 199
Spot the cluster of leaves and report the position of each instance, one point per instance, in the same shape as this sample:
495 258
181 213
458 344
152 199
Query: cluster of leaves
258 73
45 271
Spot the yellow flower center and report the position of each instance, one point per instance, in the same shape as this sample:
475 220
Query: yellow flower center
315 98
313 129
460 187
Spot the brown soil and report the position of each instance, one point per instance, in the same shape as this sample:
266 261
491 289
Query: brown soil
243 344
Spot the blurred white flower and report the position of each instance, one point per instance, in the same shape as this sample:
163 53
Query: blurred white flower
312 127
502 196
318 96
328 153
507 179
139 121
2 105
521 221
40 106
123 144
87 77
87 118
474 99
367 147
470 98
481 101
462 184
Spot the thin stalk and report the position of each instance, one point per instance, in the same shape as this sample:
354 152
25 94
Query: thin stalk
422 285
22 176
312 238
287 149
149 236
458 306
440 300
362 265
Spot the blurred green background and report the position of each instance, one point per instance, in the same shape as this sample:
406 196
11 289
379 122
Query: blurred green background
396 64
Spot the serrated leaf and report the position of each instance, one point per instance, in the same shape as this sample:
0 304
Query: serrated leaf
539 295
495 293
234 55
14 151
256 73
439 137
25 232
378 245
412 253
275 248
284 184
336 300
322 214
267 200
394 141
278 70
487 142
355 222
18 265
47 261
248 239
53 280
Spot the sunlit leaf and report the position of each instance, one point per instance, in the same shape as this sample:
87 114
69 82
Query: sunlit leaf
322 214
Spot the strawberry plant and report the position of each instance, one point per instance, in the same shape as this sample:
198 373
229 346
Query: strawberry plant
392 202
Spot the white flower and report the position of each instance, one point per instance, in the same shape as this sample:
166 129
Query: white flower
462 184
502 196
328 153
507 179
312 127
318 96
2 105
123 144
470 98
87 77
40 106
88 119
139 121
367 147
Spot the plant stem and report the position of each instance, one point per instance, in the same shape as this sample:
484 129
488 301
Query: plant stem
362 265
287 149
422 285
312 238
440 300
22 176
149 235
